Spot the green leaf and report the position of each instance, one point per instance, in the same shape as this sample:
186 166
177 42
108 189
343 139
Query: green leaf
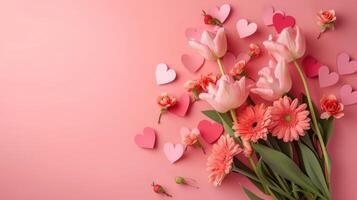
212 114
327 126
251 195
227 124
286 148
313 169
284 166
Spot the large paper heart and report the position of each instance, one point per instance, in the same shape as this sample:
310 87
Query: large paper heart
192 62
311 66
164 75
268 13
221 13
245 29
182 105
147 139
173 152
326 78
347 96
229 60
281 21
194 33
210 132
345 65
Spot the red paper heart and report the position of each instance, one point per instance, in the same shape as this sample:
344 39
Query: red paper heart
210 132
311 66
182 105
147 139
280 21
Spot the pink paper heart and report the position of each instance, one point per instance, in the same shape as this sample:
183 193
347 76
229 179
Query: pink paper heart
345 65
147 139
268 13
347 96
281 21
182 105
164 75
173 152
192 62
326 78
311 66
229 60
210 132
194 33
245 29
221 13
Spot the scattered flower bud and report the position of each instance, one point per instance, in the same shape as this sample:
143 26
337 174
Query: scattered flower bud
239 69
254 50
165 101
190 138
208 79
194 87
326 20
208 19
159 189
182 181
330 107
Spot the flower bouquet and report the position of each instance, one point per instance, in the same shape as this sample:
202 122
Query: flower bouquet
283 139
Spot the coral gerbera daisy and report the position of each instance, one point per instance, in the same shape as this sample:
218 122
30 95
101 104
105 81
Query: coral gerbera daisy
289 120
219 163
253 123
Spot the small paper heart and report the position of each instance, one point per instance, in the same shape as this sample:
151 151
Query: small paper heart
173 152
164 75
229 60
245 29
281 21
147 139
210 132
311 66
345 65
192 62
221 13
268 13
347 96
182 105
326 78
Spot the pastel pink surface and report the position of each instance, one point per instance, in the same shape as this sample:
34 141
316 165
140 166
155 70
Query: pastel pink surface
147 139
220 12
182 105
345 64
348 97
164 75
210 131
194 33
77 84
192 62
267 15
173 152
280 21
326 78
229 60
245 29
311 66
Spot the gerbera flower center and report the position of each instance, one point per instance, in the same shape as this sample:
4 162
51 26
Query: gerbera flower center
255 124
288 118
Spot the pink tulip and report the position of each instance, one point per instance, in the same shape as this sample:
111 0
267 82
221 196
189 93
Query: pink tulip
274 81
209 48
289 45
227 94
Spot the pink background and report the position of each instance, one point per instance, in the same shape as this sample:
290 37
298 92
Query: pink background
77 83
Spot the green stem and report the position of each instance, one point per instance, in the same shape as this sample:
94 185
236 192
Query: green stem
314 121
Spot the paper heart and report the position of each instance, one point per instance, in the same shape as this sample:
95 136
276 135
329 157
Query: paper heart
326 78
173 152
311 66
229 60
192 62
221 13
194 33
182 105
164 75
345 65
245 29
268 13
210 132
281 21
347 96
147 139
